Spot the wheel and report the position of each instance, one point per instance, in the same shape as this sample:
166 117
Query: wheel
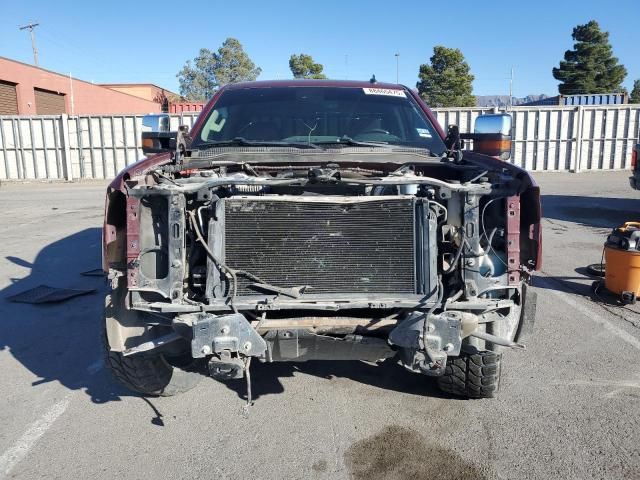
475 375
146 373
596 269
628 298
150 374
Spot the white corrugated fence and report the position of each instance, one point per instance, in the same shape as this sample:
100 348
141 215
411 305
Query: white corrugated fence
71 147
550 138
545 138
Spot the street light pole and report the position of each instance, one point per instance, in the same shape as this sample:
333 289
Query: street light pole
30 27
397 67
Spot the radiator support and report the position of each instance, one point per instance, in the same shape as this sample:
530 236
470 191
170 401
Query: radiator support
338 247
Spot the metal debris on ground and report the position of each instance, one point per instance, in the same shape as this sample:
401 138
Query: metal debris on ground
96 272
47 294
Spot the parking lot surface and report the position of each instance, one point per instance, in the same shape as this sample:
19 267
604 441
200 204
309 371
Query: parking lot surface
569 405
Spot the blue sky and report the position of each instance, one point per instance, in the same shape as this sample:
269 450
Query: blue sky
139 41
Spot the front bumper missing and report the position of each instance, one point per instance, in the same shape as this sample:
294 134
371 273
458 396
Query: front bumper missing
300 345
422 341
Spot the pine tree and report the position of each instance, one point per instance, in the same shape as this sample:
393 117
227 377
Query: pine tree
210 70
303 66
635 93
233 65
590 67
446 81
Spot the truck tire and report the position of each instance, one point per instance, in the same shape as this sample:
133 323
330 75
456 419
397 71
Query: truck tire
145 373
150 375
472 375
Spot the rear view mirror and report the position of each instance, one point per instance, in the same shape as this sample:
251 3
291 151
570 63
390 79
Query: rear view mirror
492 135
156 134
156 123
495 123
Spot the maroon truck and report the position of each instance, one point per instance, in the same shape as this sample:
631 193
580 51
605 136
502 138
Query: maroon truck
305 220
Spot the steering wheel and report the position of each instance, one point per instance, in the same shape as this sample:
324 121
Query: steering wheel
375 130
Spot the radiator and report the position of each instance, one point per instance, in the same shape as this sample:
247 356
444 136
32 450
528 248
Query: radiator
335 245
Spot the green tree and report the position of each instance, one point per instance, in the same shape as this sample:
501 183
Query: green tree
446 81
635 93
590 67
233 65
303 66
197 80
209 70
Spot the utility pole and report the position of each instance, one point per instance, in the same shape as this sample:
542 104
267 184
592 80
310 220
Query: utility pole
30 27
397 67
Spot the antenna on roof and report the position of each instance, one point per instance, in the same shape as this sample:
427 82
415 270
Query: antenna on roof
373 79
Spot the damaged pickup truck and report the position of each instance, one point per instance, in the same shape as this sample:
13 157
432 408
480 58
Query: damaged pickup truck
319 220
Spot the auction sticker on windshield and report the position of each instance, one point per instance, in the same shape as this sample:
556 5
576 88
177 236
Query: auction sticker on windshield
392 92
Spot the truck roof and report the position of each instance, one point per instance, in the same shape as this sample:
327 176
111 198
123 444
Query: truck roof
314 82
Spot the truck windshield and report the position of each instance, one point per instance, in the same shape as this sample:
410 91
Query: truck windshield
321 116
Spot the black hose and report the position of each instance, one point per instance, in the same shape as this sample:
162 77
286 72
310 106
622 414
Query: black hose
219 263
491 235
457 257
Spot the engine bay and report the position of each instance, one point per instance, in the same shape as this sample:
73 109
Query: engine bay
285 261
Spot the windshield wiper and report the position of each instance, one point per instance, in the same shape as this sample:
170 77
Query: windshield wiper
345 140
243 142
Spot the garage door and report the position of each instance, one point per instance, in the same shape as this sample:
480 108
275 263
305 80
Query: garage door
8 99
49 103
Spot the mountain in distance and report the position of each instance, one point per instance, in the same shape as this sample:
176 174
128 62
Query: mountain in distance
503 100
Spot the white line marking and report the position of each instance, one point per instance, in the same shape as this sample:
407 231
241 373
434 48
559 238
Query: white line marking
19 450
618 386
606 324
604 383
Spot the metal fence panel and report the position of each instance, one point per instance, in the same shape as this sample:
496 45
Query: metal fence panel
545 138
41 147
559 138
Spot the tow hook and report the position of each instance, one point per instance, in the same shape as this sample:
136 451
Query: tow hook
224 367
228 341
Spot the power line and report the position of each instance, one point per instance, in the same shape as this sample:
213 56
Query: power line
30 27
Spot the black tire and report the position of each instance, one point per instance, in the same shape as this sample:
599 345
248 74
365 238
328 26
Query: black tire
474 375
149 374
596 269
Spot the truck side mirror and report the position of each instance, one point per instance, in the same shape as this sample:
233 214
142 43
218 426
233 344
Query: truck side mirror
156 134
492 135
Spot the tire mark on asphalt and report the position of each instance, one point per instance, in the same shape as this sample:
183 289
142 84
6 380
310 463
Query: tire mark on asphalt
604 323
25 443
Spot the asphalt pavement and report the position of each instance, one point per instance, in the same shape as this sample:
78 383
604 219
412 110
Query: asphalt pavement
569 406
